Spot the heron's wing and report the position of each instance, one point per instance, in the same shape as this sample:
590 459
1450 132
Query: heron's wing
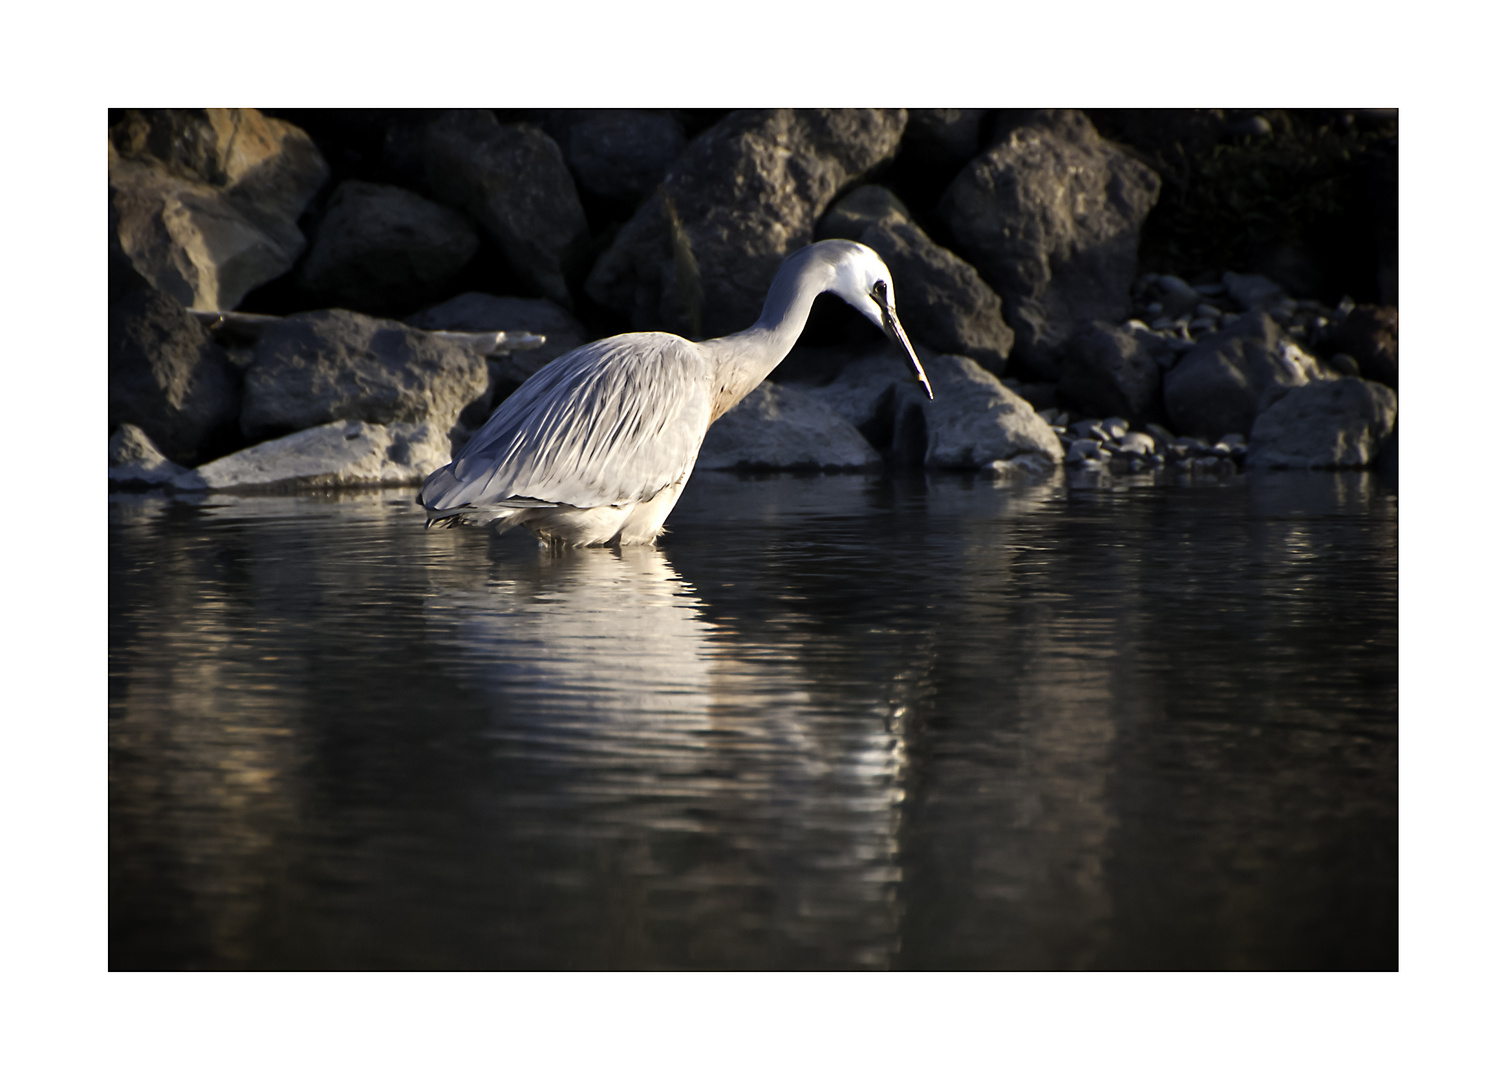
613 422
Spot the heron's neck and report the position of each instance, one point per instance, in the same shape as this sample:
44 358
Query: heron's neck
746 358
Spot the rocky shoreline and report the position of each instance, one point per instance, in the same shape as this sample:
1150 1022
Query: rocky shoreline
417 271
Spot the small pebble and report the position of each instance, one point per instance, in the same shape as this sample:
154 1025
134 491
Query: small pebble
1192 442
1214 289
1163 323
1201 325
1208 311
1234 438
1137 443
1160 433
1114 427
1083 450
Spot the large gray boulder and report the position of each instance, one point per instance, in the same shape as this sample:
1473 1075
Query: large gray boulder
168 377
1051 217
780 428
976 420
879 395
1225 381
209 199
1108 370
382 248
512 179
617 155
321 366
698 259
342 454
942 301
1338 424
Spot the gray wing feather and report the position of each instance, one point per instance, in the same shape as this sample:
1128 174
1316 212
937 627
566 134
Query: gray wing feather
613 422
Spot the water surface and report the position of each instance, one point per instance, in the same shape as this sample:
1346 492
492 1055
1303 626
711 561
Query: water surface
831 722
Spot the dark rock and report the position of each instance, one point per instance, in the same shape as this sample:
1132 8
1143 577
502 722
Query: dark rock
1344 364
780 428
1369 335
617 155
209 199
698 259
1254 126
1110 371
945 137
1083 450
512 179
1225 381
1177 297
1339 423
168 378
1051 218
380 248
1253 292
942 301
321 366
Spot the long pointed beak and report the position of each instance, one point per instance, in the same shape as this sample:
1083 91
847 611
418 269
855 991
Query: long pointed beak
895 330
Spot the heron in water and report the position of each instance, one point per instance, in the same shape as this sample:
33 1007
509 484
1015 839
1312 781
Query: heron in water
597 445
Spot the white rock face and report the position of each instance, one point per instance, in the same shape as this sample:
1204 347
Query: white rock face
777 427
343 454
976 419
135 460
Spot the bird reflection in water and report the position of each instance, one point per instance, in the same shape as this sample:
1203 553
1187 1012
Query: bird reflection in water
675 758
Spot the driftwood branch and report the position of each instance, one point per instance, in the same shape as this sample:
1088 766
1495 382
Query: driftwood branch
487 342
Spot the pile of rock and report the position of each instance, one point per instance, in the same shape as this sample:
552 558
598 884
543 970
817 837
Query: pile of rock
1012 236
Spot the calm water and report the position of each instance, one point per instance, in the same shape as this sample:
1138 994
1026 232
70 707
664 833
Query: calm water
832 722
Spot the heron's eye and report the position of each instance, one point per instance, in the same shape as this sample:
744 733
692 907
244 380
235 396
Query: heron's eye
880 292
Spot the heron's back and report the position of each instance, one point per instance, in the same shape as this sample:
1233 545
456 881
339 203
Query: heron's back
612 423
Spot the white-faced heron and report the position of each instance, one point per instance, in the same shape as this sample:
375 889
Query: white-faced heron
596 446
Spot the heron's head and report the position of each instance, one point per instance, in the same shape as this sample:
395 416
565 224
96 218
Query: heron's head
861 278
